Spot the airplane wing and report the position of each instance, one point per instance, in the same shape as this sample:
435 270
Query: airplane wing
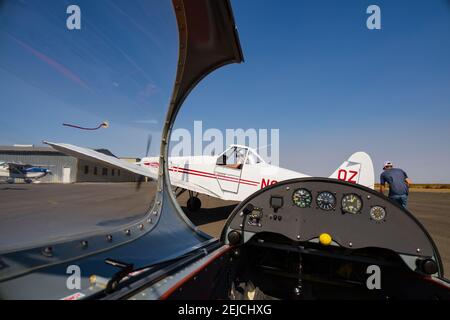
14 164
92 155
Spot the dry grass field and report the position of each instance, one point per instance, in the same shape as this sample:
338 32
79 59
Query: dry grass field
425 187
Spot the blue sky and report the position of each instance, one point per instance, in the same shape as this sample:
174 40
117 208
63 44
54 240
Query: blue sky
334 87
119 67
312 69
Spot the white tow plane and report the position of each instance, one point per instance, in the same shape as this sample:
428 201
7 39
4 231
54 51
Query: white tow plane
233 175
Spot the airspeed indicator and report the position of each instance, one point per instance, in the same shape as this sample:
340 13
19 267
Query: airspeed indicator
302 198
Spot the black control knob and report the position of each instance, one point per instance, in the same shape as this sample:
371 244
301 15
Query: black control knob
427 266
234 237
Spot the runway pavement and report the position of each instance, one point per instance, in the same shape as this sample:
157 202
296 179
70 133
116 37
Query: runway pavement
39 213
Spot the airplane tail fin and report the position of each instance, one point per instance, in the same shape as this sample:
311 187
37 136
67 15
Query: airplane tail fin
357 169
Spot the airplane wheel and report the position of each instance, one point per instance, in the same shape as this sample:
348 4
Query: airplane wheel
194 204
28 181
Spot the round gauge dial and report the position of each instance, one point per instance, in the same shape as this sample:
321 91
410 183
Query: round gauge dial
377 213
326 201
302 198
351 203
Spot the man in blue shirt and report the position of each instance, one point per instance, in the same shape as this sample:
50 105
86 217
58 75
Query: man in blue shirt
398 182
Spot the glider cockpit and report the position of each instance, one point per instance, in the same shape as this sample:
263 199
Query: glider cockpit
314 238
326 239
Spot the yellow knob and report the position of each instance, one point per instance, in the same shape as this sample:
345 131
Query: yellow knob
325 239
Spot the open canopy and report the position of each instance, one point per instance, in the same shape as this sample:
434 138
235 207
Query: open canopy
71 80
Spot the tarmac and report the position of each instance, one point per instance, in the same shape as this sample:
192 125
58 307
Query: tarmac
41 213
33 214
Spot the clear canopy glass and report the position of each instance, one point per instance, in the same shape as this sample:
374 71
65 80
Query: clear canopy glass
96 75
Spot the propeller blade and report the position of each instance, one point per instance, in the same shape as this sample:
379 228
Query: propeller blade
139 182
149 143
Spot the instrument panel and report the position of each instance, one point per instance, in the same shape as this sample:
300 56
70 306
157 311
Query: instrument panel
352 215
351 203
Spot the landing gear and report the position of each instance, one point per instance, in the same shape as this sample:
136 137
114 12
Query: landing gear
28 181
193 204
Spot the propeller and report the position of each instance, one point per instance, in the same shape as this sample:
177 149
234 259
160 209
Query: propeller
147 150
149 143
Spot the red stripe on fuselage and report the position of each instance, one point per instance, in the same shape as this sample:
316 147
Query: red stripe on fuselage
212 176
215 175
152 164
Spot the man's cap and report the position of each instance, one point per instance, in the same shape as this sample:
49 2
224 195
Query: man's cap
387 164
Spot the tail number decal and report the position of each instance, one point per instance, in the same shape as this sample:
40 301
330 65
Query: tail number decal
347 175
265 183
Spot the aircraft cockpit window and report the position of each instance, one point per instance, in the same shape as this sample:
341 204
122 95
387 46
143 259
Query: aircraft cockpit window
253 158
234 158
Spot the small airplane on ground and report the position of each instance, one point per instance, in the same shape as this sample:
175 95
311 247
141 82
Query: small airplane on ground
28 172
233 175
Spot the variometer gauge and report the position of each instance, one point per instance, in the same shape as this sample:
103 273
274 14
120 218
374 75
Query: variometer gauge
302 198
378 213
326 201
351 203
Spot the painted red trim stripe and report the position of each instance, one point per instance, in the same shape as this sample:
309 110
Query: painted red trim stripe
216 175
151 164
213 176
249 181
